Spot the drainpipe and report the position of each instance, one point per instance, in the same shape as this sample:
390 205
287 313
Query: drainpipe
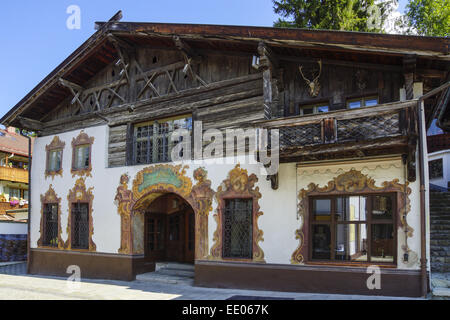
423 256
29 200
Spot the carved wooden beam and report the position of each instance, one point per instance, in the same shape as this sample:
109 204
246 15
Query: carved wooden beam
76 90
185 48
409 68
30 124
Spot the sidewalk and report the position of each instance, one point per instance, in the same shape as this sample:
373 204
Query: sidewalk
21 286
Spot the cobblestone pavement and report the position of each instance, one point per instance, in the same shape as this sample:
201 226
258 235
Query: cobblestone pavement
15 284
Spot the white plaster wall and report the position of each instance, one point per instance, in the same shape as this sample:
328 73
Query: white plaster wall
13 228
278 221
445 156
279 207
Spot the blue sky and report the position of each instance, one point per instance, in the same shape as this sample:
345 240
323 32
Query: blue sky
35 38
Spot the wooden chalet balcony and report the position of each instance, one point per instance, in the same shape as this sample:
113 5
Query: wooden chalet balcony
370 131
14 174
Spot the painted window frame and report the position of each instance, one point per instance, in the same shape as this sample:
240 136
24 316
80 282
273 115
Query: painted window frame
55 146
82 140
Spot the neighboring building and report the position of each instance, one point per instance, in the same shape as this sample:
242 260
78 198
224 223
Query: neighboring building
13 195
107 197
439 160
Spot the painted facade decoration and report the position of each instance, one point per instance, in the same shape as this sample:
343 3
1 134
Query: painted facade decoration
80 193
238 185
56 144
348 183
149 184
50 197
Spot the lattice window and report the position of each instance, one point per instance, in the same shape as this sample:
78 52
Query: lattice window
80 225
50 225
435 169
152 140
237 228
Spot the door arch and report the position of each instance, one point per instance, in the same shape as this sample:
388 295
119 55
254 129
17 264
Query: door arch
169 229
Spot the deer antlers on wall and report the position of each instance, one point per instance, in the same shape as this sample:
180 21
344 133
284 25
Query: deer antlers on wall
314 85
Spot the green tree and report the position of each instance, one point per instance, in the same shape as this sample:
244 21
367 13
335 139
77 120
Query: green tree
428 17
350 15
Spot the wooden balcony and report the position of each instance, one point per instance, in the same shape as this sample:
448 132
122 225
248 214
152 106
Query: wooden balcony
372 131
14 174
438 142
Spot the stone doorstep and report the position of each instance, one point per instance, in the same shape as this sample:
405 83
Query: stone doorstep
441 292
162 278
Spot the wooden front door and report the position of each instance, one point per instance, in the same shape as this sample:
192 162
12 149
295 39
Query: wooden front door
175 237
155 236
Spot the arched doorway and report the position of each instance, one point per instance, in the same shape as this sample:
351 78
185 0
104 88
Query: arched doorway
169 230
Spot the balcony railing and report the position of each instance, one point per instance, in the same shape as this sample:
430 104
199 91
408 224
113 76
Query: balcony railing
350 128
14 174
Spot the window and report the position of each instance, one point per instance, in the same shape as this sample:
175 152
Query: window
435 169
313 109
80 225
81 154
362 102
50 225
13 192
54 157
25 194
81 158
237 228
357 228
152 140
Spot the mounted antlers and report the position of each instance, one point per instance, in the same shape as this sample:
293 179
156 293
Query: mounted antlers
314 85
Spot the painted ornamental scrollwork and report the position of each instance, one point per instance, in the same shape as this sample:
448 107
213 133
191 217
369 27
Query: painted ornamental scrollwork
202 195
50 197
150 183
349 182
79 194
55 145
238 185
82 140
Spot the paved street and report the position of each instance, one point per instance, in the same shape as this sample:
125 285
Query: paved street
16 285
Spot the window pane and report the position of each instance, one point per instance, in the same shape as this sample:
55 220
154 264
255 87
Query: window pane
381 207
82 157
237 228
351 208
382 243
371 102
308 110
51 225
354 104
54 161
321 109
351 242
322 209
80 220
321 241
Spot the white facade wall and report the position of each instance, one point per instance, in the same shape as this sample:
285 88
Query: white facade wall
278 222
13 228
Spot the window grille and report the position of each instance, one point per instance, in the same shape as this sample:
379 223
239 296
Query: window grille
51 225
80 225
237 228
